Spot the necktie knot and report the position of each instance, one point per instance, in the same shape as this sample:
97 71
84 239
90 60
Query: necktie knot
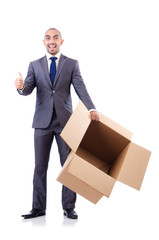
53 58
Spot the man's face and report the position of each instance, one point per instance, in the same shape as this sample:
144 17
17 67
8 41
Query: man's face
52 41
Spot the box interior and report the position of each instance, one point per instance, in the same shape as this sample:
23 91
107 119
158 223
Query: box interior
101 146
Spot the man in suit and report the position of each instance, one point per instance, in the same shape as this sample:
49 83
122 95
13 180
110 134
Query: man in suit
52 76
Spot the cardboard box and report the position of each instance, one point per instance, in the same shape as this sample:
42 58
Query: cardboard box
102 153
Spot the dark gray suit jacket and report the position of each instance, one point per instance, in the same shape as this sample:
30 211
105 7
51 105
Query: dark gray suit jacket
58 96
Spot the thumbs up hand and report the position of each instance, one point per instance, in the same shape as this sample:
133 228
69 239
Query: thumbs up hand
19 82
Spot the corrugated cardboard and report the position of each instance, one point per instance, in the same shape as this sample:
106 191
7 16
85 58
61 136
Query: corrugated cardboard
102 152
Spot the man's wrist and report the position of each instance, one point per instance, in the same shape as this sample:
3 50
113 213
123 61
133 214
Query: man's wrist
92 110
21 90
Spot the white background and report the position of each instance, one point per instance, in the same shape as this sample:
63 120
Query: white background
117 45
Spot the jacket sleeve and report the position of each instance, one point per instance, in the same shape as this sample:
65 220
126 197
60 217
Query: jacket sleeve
29 83
80 87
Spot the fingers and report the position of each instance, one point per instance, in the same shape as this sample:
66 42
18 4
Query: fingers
94 116
19 82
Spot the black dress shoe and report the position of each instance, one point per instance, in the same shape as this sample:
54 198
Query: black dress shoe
70 213
34 213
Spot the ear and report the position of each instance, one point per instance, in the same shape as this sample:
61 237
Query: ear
62 42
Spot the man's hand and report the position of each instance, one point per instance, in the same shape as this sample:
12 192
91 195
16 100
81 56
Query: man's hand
19 82
94 116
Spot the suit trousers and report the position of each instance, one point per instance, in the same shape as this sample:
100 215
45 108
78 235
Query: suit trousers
43 139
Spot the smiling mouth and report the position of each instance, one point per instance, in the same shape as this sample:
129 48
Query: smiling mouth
52 47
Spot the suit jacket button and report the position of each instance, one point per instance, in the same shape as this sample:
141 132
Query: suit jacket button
53 91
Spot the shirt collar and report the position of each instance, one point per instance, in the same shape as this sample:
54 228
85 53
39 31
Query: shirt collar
48 55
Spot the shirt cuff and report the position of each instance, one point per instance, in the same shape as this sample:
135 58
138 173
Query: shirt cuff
91 110
21 90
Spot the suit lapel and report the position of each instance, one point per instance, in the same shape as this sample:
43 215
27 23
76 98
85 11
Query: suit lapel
45 69
59 69
60 66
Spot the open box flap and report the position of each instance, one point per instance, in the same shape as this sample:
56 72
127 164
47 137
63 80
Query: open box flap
134 164
76 126
92 176
79 122
78 186
115 126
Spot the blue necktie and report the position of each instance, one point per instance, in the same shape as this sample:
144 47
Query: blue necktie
53 69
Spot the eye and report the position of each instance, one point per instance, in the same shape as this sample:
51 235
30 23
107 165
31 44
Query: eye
47 37
56 37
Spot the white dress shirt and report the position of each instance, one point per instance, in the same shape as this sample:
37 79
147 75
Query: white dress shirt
48 56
